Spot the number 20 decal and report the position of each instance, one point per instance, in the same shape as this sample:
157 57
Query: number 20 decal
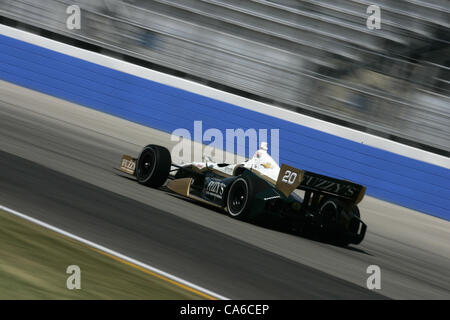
289 177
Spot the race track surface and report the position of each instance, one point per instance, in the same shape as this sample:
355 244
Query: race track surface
57 163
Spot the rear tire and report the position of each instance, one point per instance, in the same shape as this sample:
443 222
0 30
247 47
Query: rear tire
153 166
239 199
330 211
355 211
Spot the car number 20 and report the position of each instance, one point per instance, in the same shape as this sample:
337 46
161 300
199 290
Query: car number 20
289 177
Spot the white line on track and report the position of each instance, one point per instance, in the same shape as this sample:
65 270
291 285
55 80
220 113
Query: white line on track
114 253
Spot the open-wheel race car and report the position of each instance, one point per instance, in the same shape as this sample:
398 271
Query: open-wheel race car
309 202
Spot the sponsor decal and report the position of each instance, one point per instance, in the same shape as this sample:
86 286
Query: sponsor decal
331 186
267 165
270 198
128 164
215 189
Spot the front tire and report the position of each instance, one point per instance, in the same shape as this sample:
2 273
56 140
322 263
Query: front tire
153 166
239 199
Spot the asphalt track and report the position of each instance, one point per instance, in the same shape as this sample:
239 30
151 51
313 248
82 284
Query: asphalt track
56 165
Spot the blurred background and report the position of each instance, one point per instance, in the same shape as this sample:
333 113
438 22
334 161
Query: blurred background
316 57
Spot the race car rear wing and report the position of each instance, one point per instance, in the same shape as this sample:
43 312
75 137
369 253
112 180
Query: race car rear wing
291 178
343 189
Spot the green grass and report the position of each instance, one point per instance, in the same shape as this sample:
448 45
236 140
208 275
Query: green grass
33 263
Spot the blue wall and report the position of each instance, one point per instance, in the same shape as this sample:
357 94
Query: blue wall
407 182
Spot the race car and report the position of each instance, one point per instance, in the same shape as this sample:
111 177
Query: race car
310 202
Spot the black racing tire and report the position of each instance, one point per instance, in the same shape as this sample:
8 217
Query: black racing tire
354 227
240 198
355 211
153 166
329 212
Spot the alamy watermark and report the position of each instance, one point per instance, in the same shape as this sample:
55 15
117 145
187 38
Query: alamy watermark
73 21
374 20
220 145
374 280
74 280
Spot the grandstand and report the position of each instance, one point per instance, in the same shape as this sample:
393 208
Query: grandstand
312 56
